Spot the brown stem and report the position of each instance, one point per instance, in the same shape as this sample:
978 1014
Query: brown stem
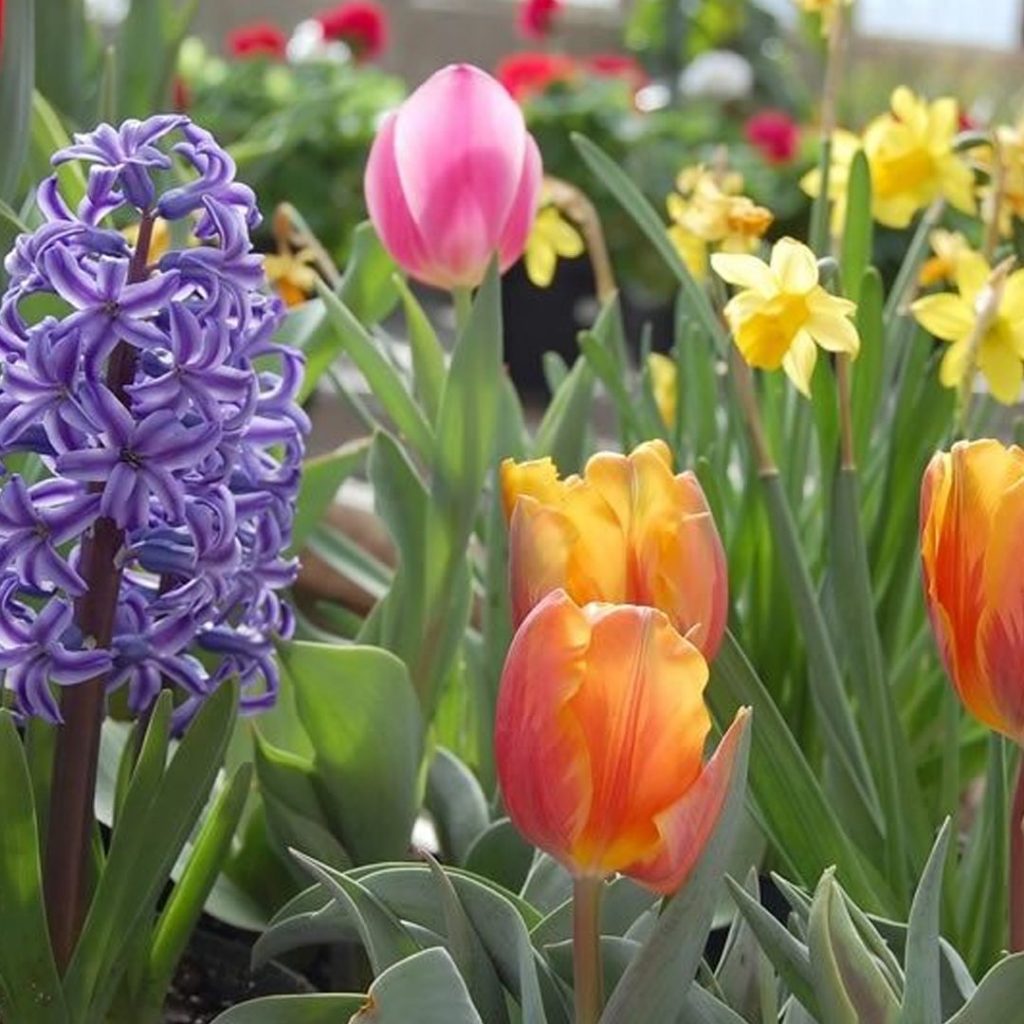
586 949
73 787
743 380
1017 864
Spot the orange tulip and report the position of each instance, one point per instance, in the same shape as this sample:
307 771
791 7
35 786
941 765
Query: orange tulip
626 532
972 548
599 742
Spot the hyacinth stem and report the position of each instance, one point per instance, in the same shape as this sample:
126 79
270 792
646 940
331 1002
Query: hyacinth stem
588 982
1017 864
73 787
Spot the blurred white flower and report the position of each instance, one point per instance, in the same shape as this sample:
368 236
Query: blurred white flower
655 96
107 12
308 44
717 75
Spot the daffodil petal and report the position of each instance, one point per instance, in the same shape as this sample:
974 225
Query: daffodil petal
972 274
798 363
945 315
834 333
744 272
1003 369
794 266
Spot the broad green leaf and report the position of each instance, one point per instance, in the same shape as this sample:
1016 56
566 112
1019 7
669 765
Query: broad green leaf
998 998
701 1007
501 854
364 721
30 988
788 797
295 817
322 475
737 973
368 285
616 955
867 368
848 983
857 232
425 988
309 1009
61 49
456 803
653 988
626 193
47 136
428 364
922 993
17 75
388 388
385 939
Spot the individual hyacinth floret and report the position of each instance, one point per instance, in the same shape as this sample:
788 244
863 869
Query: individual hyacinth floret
149 433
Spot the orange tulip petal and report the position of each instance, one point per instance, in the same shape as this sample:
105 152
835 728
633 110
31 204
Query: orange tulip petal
642 713
542 757
686 826
537 479
540 542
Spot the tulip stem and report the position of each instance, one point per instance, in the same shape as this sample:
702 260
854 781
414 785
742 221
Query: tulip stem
586 949
1017 864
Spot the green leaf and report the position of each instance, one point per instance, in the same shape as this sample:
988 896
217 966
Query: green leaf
309 1009
17 75
322 475
848 982
790 803
388 388
653 988
818 230
998 997
501 854
632 200
562 433
428 365
160 811
922 993
384 937
456 803
61 46
368 285
30 988
867 369
363 718
701 1007
786 952
48 135
425 988
857 233
467 951
185 905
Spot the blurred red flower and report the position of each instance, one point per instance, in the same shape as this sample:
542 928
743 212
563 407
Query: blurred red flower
257 39
775 134
617 65
361 24
537 17
181 95
531 72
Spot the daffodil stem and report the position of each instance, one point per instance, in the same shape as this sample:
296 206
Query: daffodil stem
1017 864
463 299
743 381
588 982
574 202
847 445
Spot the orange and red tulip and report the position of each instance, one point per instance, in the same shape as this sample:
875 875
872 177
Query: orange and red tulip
972 548
627 532
599 742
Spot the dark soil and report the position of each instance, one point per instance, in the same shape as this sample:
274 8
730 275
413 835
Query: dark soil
214 975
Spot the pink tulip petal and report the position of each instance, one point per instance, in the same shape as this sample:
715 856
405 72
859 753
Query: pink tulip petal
689 823
388 209
460 141
524 207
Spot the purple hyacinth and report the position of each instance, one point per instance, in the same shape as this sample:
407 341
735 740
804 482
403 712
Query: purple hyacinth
139 424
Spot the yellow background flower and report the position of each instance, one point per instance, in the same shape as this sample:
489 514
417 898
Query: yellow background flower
948 247
910 152
552 237
953 316
828 9
782 313
664 385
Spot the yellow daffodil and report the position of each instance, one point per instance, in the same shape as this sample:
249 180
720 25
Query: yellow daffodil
291 274
828 9
782 313
1009 173
159 240
664 385
948 247
953 317
551 237
709 212
910 153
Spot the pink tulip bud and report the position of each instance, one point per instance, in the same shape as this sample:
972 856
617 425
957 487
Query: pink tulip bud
453 178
